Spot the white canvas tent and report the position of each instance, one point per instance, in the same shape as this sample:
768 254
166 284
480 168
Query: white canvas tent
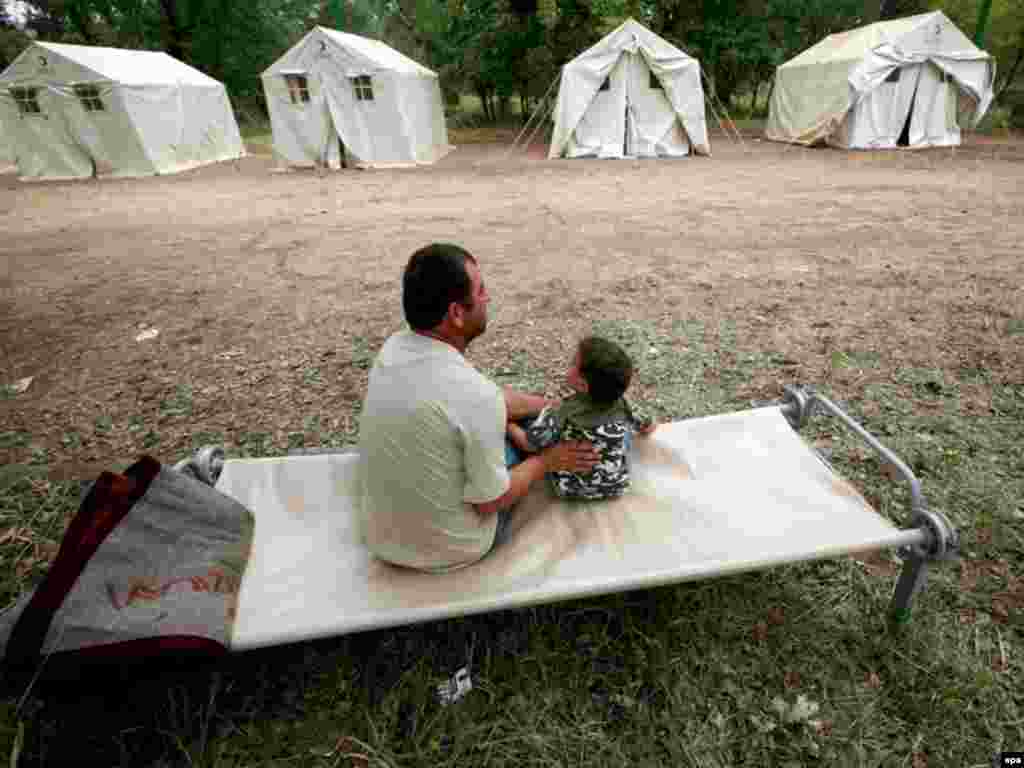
6 150
74 111
905 82
340 99
632 94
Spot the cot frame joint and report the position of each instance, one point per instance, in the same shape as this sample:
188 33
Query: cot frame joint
937 538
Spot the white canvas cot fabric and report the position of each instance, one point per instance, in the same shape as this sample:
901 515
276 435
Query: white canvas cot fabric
710 496
632 94
76 111
336 99
906 82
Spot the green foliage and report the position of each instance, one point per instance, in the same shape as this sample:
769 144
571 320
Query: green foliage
484 46
12 42
895 9
230 40
1005 38
740 42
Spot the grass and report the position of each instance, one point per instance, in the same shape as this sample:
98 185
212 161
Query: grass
789 667
257 137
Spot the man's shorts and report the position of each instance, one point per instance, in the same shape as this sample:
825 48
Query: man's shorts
504 528
501 534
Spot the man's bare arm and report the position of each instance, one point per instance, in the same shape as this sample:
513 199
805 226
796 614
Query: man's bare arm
562 457
519 404
518 437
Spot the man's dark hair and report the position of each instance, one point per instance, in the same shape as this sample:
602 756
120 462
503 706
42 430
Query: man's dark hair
435 277
606 368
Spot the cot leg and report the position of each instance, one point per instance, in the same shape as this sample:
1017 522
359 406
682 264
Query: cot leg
912 579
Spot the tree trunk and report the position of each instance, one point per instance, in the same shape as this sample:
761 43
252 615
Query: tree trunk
1012 74
888 9
174 30
481 92
981 29
724 86
80 21
768 101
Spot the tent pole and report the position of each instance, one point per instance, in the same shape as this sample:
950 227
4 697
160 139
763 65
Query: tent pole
540 122
724 110
540 105
529 120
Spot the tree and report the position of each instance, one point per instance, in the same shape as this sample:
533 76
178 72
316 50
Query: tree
733 51
895 9
12 39
231 40
494 48
1005 39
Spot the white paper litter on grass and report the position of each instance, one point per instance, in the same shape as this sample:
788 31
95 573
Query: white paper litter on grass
146 335
21 385
455 688
802 710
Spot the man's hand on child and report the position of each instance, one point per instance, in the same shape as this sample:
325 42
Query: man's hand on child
574 456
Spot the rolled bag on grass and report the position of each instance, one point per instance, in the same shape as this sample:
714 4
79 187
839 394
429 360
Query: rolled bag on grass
150 566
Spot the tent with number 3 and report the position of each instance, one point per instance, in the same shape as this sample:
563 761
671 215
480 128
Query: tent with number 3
908 82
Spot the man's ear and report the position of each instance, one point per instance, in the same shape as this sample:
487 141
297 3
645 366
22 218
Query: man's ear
456 314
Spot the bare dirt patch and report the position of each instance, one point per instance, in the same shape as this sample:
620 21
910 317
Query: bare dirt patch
271 291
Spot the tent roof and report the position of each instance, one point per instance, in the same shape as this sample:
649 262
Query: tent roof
376 53
128 66
854 44
626 36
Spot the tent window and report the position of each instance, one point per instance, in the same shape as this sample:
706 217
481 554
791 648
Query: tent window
654 83
364 88
298 88
26 100
894 76
606 85
89 95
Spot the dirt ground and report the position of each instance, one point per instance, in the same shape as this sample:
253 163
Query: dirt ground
270 290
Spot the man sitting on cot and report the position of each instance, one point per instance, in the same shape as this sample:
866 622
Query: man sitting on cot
436 493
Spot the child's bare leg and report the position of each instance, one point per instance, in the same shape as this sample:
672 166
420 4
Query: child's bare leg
518 437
